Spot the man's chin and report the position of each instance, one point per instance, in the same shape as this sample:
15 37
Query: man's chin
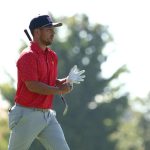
48 43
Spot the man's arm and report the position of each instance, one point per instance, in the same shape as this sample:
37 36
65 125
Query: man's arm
59 82
44 89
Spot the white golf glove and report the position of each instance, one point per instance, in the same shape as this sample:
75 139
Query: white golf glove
75 75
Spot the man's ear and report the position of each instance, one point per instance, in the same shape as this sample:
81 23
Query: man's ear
37 32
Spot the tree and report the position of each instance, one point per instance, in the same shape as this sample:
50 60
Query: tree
95 107
144 123
128 134
4 133
8 91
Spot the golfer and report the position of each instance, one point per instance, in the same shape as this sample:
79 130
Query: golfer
32 116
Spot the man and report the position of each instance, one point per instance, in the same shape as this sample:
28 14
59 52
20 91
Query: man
32 116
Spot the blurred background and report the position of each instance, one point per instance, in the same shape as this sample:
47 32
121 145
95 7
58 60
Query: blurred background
110 110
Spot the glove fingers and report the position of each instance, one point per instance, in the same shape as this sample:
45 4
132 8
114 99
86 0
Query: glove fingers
76 70
75 75
73 69
81 72
81 79
83 76
76 82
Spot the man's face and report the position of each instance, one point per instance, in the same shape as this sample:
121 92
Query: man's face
46 35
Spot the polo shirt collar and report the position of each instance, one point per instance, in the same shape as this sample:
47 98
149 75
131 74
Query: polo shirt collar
35 47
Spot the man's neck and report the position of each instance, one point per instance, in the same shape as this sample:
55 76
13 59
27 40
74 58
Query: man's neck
43 47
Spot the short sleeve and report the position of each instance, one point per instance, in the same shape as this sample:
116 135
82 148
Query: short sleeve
27 67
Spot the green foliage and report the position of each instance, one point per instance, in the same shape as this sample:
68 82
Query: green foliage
8 92
128 135
22 46
4 133
36 145
145 126
145 122
88 124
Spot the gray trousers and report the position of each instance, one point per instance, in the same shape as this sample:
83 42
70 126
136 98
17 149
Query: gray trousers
28 124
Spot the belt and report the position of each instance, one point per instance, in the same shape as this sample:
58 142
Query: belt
40 109
36 109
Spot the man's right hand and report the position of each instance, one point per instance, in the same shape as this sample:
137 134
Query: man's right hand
65 88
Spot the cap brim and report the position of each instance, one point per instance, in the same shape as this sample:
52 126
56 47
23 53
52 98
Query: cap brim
57 24
53 25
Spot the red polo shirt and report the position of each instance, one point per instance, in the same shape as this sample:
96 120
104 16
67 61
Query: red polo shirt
36 65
